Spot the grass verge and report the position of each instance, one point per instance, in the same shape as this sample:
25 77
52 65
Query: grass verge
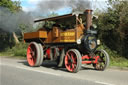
18 50
115 58
120 62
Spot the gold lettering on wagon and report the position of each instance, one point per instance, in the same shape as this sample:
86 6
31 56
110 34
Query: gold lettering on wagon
67 34
67 37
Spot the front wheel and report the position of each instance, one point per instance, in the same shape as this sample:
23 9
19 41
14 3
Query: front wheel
103 61
73 60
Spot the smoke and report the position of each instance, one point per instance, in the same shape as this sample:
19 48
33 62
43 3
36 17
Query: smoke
53 5
80 5
10 22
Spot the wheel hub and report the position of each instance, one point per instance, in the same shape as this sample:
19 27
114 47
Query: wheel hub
70 61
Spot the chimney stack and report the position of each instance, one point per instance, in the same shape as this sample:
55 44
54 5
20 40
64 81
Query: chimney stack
88 18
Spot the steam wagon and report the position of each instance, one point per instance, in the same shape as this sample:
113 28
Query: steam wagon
70 40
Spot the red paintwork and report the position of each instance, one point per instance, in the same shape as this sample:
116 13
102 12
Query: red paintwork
87 61
48 53
31 58
96 59
60 48
85 57
70 65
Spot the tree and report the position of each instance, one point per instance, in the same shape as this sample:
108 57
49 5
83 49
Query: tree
13 6
113 26
48 24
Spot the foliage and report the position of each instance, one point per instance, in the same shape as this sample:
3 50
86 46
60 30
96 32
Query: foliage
6 40
12 5
115 58
120 62
6 37
17 50
113 26
47 24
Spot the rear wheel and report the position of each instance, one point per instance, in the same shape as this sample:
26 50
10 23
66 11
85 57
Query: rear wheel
103 60
73 60
33 54
41 54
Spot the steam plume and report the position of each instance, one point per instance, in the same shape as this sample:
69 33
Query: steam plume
53 5
10 22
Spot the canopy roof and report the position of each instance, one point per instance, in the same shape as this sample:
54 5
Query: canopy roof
54 18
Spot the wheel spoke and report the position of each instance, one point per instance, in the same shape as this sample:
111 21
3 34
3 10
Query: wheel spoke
75 65
71 64
75 58
101 67
102 61
100 54
74 62
68 56
32 54
66 60
30 49
72 56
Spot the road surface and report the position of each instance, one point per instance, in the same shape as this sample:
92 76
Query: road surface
17 72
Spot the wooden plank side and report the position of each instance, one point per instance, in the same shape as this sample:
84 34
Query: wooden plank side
63 37
39 34
43 34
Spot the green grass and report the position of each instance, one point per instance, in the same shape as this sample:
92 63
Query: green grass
120 62
18 50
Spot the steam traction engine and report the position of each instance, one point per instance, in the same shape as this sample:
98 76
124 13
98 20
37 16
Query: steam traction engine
70 40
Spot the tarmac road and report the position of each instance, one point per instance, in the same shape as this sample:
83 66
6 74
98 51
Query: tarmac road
17 72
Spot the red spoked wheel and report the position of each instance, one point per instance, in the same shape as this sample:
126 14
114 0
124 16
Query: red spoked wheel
103 61
33 54
73 60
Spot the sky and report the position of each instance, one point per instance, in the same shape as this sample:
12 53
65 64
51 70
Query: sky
30 5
